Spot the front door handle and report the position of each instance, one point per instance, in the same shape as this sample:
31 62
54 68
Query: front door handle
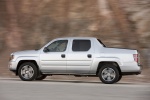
63 55
89 56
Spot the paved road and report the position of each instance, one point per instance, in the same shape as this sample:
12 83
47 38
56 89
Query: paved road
14 89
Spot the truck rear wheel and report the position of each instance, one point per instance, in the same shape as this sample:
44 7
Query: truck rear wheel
108 74
28 71
41 77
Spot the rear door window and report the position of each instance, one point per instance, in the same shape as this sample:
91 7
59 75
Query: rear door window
81 45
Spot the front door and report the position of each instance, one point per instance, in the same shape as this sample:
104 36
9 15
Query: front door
54 60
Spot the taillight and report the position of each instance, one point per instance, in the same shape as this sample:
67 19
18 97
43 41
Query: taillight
135 56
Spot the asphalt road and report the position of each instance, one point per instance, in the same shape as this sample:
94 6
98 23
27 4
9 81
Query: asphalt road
14 89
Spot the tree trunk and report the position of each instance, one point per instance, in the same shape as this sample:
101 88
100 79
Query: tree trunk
13 38
122 22
129 36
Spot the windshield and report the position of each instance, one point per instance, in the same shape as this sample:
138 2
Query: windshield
101 43
40 46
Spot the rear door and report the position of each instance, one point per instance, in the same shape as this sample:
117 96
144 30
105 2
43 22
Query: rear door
79 57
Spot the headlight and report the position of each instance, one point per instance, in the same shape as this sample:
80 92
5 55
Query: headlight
11 57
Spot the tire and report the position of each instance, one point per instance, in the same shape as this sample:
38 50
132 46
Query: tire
108 74
41 77
120 76
28 71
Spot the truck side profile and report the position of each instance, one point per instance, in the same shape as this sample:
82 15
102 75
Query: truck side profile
78 56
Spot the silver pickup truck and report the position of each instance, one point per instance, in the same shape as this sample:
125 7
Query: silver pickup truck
78 56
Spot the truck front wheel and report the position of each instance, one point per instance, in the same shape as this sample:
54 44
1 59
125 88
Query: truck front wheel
28 71
120 76
108 74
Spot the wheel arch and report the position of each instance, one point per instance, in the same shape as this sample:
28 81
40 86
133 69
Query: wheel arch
108 62
24 61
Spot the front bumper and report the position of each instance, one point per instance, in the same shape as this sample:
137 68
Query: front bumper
14 71
12 66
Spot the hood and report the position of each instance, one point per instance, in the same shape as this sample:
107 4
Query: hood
26 53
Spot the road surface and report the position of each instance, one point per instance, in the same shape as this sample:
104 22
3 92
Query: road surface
14 89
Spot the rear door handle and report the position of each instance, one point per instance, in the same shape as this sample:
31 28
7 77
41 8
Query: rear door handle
63 55
89 56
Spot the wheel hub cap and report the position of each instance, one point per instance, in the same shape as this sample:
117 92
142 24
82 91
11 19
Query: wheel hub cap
27 72
108 74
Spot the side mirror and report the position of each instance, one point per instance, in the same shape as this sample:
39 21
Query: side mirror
46 49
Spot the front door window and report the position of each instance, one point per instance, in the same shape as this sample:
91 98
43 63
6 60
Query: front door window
58 46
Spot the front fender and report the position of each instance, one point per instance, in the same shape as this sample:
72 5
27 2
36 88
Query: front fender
35 58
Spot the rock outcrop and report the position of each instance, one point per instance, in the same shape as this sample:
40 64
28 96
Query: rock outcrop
29 24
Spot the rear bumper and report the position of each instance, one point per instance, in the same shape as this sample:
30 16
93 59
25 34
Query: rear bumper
131 73
134 72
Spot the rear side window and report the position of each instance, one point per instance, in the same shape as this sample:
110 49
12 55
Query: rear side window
81 45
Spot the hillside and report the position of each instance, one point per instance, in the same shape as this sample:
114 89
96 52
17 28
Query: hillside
29 24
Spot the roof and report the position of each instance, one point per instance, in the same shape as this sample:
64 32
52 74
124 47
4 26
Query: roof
76 38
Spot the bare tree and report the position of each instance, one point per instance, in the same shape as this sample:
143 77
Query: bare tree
13 38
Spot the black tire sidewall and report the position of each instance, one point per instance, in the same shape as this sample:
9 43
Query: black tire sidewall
120 76
34 68
41 77
109 66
